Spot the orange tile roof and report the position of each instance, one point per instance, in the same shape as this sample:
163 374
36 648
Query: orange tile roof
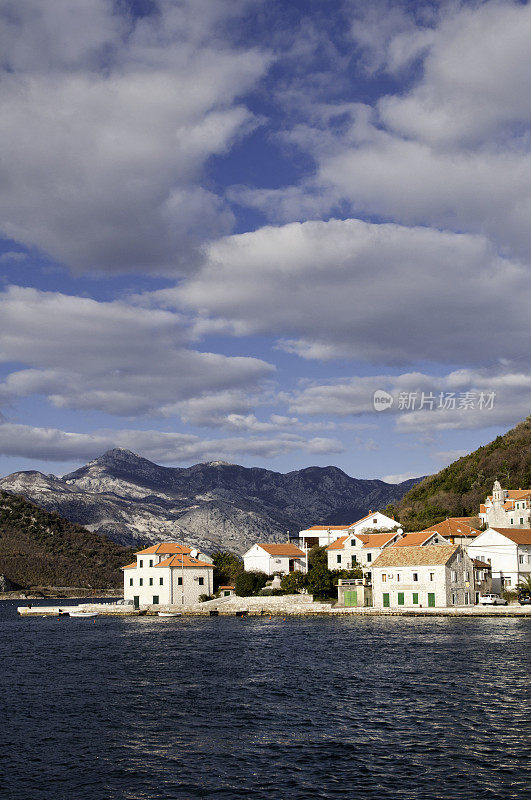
130 566
329 527
287 549
430 555
177 561
226 587
416 538
454 526
481 564
509 505
376 539
164 548
338 544
516 535
518 494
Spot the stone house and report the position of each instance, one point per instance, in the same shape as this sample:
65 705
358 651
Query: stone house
506 508
167 574
271 558
482 578
508 551
430 576
359 549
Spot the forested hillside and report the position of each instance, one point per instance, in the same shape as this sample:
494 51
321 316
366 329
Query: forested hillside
458 489
40 548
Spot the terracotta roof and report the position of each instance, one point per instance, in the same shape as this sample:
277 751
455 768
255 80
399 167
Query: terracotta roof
516 535
286 549
376 539
329 527
130 566
164 548
481 564
177 561
226 587
454 526
518 494
509 505
416 538
338 544
430 555
482 508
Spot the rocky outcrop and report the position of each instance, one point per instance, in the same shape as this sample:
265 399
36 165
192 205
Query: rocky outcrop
210 506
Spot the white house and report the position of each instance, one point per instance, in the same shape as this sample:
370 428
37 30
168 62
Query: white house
359 549
506 508
271 558
324 535
433 576
167 574
508 551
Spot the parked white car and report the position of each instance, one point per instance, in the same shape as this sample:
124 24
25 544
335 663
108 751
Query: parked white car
491 600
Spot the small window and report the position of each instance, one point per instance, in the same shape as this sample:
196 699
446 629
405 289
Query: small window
467 598
201 581
398 577
415 598
353 543
467 575
151 581
354 560
141 581
400 598
161 581
458 558
130 581
512 521
384 577
338 559
454 599
435 541
415 576
369 558
150 562
521 520
375 520
432 576
140 563
454 575
179 581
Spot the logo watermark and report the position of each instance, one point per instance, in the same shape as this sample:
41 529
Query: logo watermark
429 401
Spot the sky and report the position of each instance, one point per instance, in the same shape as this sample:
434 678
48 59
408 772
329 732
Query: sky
271 232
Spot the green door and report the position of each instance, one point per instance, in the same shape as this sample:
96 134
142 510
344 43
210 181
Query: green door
351 598
415 598
400 598
155 599
431 599
386 600
136 601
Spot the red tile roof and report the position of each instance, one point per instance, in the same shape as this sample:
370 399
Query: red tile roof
177 561
481 564
454 526
164 548
368 540
338 544
416 538
283 550
130 566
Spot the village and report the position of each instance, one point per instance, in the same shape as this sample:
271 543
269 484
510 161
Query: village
450 567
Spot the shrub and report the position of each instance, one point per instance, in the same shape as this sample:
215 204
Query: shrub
250 583
293 582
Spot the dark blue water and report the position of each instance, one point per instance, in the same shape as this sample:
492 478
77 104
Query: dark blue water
156 709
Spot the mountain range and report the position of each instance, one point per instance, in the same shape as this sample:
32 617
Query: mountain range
212 506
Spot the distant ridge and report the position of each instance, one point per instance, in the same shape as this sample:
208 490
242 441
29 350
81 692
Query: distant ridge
215 505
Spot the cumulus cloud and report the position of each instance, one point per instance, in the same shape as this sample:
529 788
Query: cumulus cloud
346 288
51 444
399 478
109 121
111 356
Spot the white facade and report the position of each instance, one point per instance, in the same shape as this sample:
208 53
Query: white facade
507 508
167 574
358 549
508 551
325 535
405 578
271 558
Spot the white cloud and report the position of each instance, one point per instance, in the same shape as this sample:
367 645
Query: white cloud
403 476
50 444
347 288
112 356
109 122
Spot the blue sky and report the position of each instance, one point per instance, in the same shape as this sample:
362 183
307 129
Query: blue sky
225 226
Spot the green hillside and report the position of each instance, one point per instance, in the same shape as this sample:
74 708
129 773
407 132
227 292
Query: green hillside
458 489
40 548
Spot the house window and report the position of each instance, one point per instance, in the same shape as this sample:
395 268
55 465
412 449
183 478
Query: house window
179 581
521 520
130 581
141 581
140 563
201 581
400 598
375 520
384 577
432 576
454 599
415 598
369 558
458 558
467 598
151 581
512 521
454 575
415 576
150 562
397 577
338 559
435 541
161 581
354 561
353 543
521 559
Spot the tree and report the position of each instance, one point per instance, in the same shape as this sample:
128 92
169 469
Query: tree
249 583
227 567
320 581
524 584
317 557
293 582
